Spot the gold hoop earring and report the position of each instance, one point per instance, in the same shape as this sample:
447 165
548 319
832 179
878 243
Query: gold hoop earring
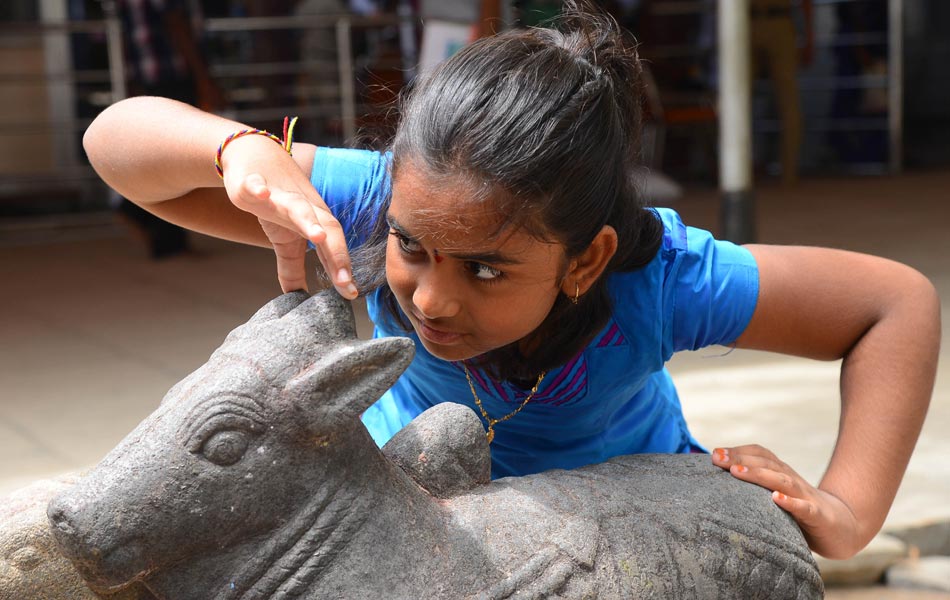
577 293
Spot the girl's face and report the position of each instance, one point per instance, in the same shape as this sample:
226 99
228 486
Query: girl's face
465 288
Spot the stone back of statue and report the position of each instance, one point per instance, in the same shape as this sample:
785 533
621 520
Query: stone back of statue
640 526
256 479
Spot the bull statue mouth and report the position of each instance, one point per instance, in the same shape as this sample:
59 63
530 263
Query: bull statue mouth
109 570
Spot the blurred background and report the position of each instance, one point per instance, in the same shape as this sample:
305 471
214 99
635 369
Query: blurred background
860 85
102 309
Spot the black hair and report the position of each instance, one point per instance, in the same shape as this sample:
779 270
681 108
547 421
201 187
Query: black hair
549 120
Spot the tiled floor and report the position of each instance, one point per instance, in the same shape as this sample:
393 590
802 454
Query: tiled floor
92 335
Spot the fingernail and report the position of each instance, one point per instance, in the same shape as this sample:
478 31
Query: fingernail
342 276
740 468
351 291
721 454
780 495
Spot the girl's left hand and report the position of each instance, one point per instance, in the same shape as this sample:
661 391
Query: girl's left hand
829 526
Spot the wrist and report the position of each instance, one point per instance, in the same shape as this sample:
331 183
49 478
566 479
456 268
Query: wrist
285 143
852 530
242 144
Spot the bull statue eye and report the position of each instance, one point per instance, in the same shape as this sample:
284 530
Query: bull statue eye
225 448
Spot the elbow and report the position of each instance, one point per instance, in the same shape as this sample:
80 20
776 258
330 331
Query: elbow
922 293
108 133
933 298
111 120
920 310
906 311
90 140
930 304
95 139
90 137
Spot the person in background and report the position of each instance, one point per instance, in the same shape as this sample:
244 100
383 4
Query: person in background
163 58
774 45
867 61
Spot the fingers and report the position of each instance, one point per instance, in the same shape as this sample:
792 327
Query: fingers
314 222
335 258
828 524
803 511
771 478
291 267
289 209
760 466
750 455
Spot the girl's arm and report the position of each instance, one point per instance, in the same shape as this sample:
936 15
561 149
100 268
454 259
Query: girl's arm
883 319
159 153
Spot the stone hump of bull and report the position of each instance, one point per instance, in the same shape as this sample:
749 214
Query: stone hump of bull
255 479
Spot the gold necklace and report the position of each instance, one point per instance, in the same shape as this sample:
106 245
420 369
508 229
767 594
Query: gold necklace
490 434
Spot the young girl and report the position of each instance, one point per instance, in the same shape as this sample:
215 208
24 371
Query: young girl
504 234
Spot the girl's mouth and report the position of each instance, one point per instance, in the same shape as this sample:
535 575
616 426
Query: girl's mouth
436 336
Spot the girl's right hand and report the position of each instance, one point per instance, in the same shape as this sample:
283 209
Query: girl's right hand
172 177
290 211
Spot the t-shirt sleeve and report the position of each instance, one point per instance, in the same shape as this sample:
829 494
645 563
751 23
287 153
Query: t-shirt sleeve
354 184
711 285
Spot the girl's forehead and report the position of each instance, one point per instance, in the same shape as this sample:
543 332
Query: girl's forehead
456 216
445 206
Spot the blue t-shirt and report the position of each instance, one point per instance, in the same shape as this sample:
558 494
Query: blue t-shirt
613 398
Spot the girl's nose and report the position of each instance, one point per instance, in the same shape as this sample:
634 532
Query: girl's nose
436 297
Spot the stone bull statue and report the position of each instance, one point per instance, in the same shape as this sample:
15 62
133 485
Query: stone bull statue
255 479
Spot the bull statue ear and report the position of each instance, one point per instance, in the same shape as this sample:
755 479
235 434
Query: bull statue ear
350 378
279 306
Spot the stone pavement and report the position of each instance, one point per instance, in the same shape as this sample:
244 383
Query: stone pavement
92 335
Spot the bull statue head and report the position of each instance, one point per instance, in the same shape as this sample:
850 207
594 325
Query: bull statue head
236 451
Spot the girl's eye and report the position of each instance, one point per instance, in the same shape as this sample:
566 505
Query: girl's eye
407 245
484 272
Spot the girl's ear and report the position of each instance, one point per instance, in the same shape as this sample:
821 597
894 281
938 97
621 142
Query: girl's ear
590 264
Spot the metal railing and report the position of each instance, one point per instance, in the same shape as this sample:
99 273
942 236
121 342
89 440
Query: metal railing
336 77
60 78
332 77
342 67
890 83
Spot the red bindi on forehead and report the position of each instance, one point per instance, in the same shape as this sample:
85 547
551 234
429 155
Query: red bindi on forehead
438 257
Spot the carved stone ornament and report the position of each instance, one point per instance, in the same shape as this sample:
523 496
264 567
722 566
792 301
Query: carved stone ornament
255 479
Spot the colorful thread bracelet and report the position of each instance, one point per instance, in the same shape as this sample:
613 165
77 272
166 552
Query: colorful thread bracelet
286 143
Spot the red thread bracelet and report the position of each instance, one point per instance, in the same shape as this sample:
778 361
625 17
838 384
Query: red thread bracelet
286 143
